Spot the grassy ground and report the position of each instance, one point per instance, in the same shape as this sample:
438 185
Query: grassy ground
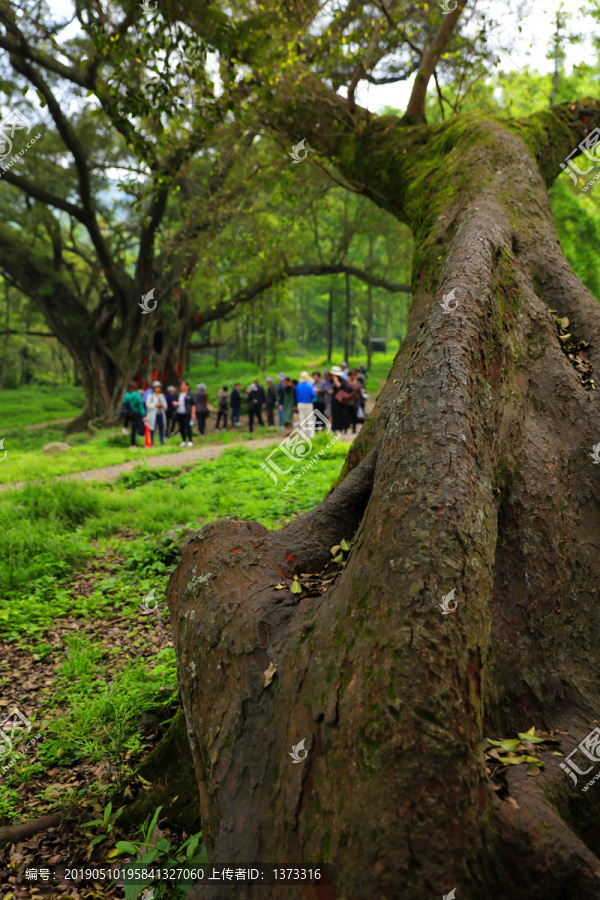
77 656
25 459
38 403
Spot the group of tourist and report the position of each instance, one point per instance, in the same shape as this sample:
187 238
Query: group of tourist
338 396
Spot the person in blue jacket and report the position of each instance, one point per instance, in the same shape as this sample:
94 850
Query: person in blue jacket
305 400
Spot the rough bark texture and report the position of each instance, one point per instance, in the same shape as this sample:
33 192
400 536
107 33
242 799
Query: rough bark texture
474 474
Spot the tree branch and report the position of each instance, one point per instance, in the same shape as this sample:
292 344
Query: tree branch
220 310
416 105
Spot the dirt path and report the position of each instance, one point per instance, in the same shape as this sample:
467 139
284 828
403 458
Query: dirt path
183 458
39 425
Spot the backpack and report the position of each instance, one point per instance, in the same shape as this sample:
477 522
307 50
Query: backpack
223 401
125 410
253 403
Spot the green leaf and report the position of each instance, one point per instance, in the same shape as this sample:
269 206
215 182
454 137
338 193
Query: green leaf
513 760
509 745
339 558
126 847
152 825
107 813
194 841
533 760
530 736
97 840
296 587
344 546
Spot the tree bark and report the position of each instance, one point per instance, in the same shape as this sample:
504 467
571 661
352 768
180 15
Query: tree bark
473 474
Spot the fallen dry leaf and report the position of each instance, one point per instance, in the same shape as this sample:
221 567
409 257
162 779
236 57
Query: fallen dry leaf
269 674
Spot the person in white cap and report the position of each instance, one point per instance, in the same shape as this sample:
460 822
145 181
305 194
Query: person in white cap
305 399
156 412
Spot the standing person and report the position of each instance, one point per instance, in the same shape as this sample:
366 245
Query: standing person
222 407
289 400
146 394
344 368
305 399
235 402
170 396
319 384
279 388
185 405
156 412
353 387
328 385
261 398
338 407
134 405
201 405
270 400
362 375
254 405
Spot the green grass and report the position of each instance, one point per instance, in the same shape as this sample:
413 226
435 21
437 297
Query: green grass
51 528
39 403
100 689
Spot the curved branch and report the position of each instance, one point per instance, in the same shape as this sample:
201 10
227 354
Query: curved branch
220 310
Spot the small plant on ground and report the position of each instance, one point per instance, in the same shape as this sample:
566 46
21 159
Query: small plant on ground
155 851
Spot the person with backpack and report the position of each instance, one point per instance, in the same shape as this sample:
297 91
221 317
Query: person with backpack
222 407
201 404
132 408
156 412
236 404
254 405
270 400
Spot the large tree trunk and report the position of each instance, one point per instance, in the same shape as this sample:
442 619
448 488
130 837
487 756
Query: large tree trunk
474 475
